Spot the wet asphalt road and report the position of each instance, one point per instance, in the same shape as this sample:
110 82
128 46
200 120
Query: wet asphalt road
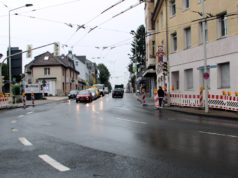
115 138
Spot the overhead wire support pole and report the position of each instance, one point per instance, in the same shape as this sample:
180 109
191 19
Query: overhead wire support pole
205 57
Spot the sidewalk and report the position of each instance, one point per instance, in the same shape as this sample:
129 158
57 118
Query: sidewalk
50 99
195 111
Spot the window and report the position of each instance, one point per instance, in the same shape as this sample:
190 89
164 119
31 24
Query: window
161 20
187 37
223 75
153 48
222 25
199 1
46 71
76 63
201 32
174 42
185 4
175 80
172 5
188 79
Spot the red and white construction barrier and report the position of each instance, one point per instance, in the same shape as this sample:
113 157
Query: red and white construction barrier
156 100
223 102
186 100
3 102
143 100
197 100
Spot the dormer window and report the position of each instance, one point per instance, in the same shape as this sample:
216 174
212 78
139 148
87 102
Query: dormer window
46 58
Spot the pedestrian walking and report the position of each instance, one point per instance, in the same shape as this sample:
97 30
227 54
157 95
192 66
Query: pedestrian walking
161 96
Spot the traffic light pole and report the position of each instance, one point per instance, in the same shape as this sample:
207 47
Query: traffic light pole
18 54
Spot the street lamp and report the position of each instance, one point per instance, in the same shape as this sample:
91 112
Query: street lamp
9 48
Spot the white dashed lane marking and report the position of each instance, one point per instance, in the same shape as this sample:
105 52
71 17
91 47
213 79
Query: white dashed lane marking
137 122
13 121
24 141
20 116
218 134
14 130
54 163
29 112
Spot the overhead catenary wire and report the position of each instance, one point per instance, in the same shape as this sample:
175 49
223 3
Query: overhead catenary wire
92 19
131 7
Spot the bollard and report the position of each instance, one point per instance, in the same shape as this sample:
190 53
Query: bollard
143 98
24 99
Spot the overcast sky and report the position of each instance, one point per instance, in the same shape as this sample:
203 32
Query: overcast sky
50 21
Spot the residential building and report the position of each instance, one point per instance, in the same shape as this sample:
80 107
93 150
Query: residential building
58 72
149 74
81 67
178 31
93 72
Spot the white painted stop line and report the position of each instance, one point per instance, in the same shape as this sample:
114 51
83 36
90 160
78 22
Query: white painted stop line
24 141
54 163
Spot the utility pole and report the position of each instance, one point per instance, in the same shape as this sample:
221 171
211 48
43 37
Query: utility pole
205 57
167 51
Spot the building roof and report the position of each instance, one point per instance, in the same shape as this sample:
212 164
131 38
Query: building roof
48 59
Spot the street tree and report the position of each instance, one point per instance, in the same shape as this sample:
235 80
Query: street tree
104 74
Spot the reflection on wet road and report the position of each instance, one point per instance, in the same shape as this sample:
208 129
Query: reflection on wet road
123 126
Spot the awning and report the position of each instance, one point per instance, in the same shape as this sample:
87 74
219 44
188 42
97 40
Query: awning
149 73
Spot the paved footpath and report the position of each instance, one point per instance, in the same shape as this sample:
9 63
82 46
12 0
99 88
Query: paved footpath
195 111
50 99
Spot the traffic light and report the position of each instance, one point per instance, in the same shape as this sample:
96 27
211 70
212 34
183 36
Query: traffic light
43 83
56 49
165 68
29 51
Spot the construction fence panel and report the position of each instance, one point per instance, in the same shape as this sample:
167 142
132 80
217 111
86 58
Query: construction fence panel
4 102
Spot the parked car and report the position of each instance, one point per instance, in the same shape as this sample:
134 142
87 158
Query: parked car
84 96
72 94
100 87
106 90
95 93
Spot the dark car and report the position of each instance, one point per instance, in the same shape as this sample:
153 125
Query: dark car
84 96
72 94
117 92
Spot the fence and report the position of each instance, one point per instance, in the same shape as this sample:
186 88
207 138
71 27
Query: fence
4 101
214 101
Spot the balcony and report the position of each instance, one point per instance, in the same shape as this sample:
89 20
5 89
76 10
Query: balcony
150 63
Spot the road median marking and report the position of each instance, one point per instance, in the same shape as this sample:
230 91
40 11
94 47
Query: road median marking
24 141
54 163
218 134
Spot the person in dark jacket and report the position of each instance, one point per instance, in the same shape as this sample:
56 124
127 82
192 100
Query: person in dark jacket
161 96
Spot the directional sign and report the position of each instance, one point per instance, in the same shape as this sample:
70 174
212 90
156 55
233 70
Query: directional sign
208 67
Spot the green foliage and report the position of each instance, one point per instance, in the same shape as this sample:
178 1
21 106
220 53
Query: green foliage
16 89
104 74
138 46
5 71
